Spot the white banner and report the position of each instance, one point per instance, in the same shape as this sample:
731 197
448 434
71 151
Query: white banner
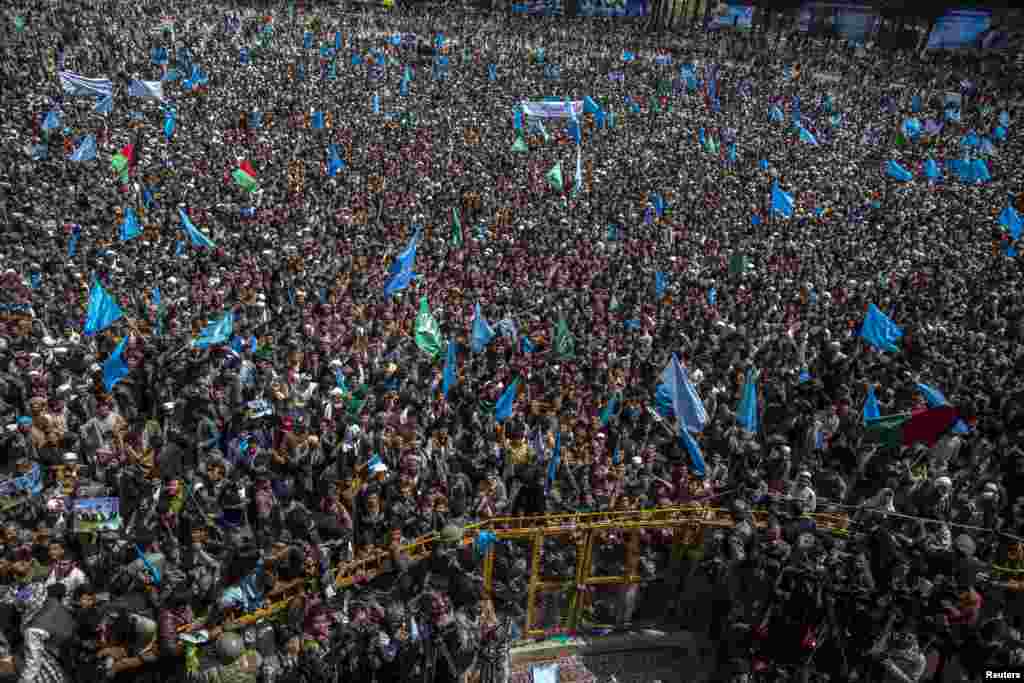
553 110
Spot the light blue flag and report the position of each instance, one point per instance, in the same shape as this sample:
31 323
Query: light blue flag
660 283
179 248
701 138
517 119
953 115
492 72
589 105
216 332
403 88
687 405
307 40
450 369
554 463
806 136
687 441
52 120
628 56
987 148
747 414
763 164
115 369
999 133
805 376
732 153
609 409
171 75
712 296
503 409
782 202
130 225
871 410
577 186
318 120
897 172
880 331
775 115
194 235
86 150
104 105
146 89
170 123
1004 119
103 310
76 230
255 119
376 103
483 333
525 345
932 396
334 161
932 170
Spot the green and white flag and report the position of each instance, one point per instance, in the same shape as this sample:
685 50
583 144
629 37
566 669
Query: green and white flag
428 334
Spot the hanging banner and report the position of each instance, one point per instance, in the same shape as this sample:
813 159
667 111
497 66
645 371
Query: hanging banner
553 110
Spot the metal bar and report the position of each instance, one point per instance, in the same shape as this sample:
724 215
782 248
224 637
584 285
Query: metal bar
531 609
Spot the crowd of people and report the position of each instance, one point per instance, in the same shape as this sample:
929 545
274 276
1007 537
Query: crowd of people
320 289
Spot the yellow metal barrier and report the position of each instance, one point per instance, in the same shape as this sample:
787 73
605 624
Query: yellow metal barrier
583 529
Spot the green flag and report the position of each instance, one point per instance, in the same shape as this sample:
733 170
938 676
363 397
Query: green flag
900 140
565 345
428 334
737 264
655 105
19 24
244 180
456 229
886 430
554 177
520 145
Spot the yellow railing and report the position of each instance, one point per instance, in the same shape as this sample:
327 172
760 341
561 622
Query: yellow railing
687 524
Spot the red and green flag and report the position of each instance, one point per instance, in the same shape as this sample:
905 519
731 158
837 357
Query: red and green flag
122 160
906 429
245 176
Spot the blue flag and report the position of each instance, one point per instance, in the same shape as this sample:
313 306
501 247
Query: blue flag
318 120
915 104
337 40
526 345
687 441
243 55
931 170
701 137
403 88
775 115
401 270
307 40
450 369
979 171
503 409
115 369
104 105
255 119
712 296
1011 220
52 120
660 283
880 331
483 333
897 172
170 123
932 396
216 332
806 136
782 202
103 310
763 164
687 405
376 103
194 235
130 225
658 202
747 414
589 105
554 462
628 56
86 150
610 409
334 161
911 128
871 410
492 72
574 130
76 230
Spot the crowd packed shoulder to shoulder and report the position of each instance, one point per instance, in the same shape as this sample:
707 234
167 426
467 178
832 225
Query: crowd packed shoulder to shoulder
271 408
